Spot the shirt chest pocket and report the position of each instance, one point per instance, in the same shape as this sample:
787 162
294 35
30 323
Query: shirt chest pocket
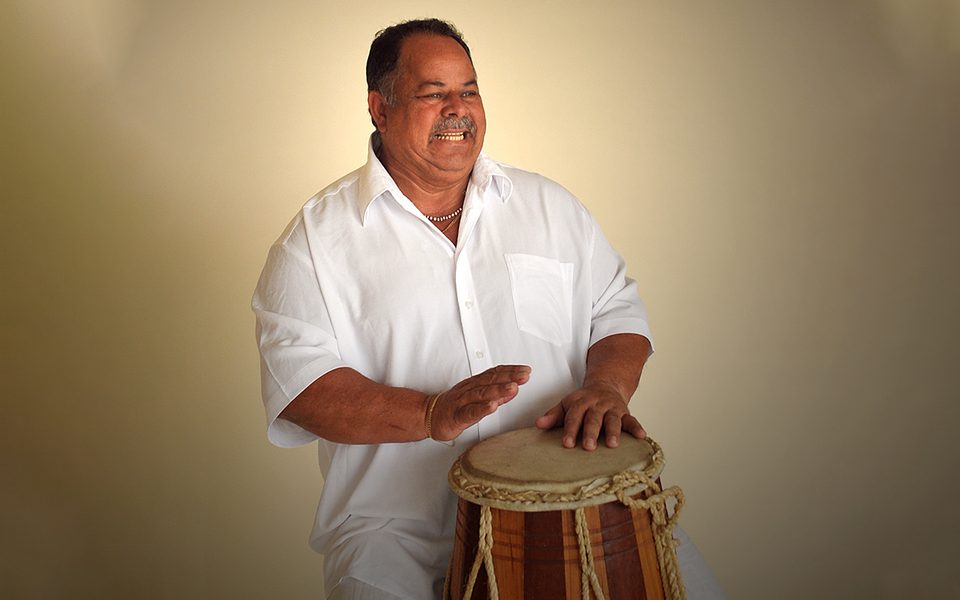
542 296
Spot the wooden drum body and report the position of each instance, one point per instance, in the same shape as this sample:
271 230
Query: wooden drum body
544 522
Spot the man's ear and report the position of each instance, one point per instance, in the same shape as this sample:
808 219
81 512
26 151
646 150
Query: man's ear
377 107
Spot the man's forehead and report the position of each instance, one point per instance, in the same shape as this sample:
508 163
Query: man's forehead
425 52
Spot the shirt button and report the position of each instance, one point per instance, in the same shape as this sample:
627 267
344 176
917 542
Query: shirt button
468 304
479 353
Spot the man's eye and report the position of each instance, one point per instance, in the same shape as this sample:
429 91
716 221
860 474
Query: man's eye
469 94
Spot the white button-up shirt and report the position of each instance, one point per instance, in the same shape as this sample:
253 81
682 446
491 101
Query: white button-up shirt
361 279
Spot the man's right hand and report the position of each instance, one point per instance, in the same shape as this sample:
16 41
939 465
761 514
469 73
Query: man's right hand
474 398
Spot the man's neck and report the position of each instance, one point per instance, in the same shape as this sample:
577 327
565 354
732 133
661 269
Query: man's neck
431 197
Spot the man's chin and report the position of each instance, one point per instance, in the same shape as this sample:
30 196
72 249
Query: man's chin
455 161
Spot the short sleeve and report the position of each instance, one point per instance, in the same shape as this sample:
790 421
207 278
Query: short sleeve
617 307
294 334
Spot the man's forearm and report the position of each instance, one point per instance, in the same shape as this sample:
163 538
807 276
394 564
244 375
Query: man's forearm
344 406
617 361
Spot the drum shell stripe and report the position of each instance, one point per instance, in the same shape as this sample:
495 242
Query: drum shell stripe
536 554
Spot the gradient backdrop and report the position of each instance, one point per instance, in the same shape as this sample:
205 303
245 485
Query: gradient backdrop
782 178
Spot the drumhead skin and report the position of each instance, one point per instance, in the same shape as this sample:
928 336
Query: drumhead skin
529 470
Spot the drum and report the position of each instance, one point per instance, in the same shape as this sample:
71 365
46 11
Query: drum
536 520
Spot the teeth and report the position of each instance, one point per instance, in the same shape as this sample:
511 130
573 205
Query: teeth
451 137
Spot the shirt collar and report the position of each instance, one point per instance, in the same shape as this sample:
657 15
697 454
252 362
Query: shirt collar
375 181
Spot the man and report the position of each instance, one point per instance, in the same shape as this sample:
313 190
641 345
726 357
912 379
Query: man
426 301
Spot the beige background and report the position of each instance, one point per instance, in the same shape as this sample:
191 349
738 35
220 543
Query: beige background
781 177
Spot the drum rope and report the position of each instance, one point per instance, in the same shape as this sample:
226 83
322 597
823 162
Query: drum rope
664 542
484 555
588 570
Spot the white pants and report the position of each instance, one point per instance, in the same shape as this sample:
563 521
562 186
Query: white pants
698 579
354 589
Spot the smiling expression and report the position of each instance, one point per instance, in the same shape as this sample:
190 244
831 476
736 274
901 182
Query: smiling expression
434 129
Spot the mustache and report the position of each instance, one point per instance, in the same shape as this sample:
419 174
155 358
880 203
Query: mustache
464 122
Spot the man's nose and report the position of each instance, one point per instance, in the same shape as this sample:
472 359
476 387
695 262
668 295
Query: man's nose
455 106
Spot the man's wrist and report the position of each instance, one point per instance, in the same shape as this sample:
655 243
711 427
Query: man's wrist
431 403
605 386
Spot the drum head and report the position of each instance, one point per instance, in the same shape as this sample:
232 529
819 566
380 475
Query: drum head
529 470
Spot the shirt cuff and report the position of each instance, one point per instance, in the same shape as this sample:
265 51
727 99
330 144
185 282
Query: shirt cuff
281 432
608 327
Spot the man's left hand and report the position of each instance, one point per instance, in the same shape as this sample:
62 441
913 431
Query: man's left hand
589 409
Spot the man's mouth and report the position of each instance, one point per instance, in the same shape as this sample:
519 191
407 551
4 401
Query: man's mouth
450 137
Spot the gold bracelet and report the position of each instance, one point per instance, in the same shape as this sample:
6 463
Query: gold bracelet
431 403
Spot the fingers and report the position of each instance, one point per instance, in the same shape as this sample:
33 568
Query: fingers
518 374
550 418
585 413
612 425
632 425
592 422
499 384
476 397
471 413
479 402
572 421
612 422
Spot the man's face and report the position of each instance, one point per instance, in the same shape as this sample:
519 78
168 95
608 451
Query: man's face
434 130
